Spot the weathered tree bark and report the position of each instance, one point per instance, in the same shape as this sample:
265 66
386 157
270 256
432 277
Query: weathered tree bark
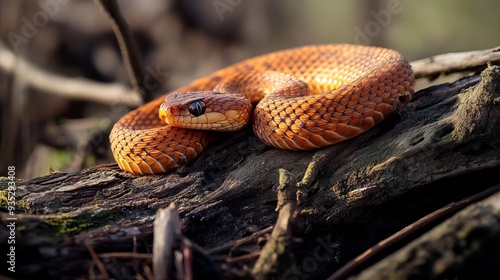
443 147
468 240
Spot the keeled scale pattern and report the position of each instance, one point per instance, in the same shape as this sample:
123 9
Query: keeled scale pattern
353 87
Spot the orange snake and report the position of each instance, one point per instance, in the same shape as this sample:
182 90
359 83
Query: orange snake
310 97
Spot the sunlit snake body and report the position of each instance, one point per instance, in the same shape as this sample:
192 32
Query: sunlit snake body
337 92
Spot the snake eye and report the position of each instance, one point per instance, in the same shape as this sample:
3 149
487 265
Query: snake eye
197 108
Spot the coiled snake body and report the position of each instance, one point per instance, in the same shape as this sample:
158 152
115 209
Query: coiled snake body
310 97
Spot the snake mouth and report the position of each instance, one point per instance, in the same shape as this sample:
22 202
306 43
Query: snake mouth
163 113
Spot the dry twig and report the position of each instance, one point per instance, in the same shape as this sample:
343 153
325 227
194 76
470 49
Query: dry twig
70 88
96 260
128 48
407 232
166 232
455 62
276 255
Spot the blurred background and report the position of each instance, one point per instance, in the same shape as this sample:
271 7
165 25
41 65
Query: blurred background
58 56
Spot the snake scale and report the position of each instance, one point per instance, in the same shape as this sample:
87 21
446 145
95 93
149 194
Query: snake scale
302 98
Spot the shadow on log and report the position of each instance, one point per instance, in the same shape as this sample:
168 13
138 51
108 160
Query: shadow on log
443 147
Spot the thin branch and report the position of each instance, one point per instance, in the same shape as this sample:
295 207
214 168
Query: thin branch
231 245
127 46
455 62
96 260
384 245
10 121
276 256
70 88
243 258
125 255
166 232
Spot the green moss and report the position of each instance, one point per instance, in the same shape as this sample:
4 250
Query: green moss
66 225
19 203
70 225
186 202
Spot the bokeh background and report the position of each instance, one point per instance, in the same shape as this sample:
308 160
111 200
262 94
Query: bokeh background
43 132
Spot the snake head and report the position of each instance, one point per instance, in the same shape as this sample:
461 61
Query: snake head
206 110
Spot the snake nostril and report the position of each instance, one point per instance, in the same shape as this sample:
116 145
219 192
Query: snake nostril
171 111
